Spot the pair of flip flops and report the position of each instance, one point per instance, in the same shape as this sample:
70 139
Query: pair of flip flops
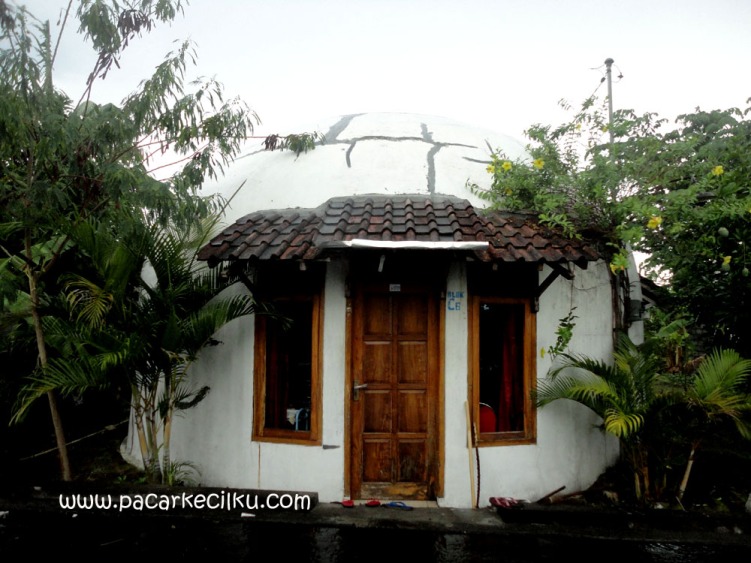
397 504
505 502
347 503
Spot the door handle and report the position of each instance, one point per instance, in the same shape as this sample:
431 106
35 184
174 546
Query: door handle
356 390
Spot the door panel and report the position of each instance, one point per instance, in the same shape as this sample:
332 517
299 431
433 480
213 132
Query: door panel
377 461
377 412
395 358
376 366
412 462
412 362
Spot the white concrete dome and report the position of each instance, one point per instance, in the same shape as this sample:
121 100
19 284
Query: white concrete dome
389 155
371 153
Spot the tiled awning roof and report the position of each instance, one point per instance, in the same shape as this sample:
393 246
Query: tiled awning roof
394 221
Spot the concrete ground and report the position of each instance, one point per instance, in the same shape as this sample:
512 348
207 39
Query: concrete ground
32 522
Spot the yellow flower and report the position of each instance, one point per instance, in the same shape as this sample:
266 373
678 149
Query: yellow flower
508 191
718 170
654 222
538 163
506 165
490 169
726 259
578 126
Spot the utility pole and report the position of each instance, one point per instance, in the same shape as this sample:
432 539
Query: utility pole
609 67
609 72
616 277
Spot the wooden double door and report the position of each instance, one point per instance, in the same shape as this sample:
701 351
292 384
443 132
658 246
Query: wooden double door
394 409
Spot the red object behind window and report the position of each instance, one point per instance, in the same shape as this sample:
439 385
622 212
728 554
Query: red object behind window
487 418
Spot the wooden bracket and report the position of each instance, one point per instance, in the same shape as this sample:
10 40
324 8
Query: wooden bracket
558 270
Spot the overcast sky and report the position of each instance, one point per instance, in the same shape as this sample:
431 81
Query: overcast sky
500 64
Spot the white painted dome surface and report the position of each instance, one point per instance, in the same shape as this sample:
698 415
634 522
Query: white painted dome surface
373 153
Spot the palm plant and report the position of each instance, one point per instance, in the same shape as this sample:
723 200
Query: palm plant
718 391
649 409
144 318
626 394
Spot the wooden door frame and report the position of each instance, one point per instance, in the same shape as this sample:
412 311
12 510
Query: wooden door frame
352 289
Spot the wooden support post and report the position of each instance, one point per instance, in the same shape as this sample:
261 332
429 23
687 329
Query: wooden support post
470 444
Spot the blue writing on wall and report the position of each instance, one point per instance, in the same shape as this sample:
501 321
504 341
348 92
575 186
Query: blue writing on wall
454 300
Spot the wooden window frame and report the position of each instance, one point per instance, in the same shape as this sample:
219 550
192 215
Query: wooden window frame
310 437
529 434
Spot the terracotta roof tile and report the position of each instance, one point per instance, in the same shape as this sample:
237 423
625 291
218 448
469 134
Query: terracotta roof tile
304 234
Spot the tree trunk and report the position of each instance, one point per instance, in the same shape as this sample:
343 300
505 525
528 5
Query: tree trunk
57 422
143 442
167 433
687 472
153 469
167 426
62 446
170 385
638 460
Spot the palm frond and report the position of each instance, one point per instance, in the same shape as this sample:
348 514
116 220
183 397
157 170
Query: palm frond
208 228
622 424
722 372
183 398
90 301
585 363
623 393
586 388
718 389
66 376
67 337
115 259
167 255
201 325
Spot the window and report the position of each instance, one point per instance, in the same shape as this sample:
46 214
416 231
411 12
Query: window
502 369
287 386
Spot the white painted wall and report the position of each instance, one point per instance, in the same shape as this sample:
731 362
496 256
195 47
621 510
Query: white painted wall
570 451
216 434
457 481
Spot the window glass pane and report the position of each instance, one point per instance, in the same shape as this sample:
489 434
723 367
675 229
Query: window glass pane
502 393
289 346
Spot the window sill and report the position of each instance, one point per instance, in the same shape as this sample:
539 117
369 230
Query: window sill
282 437
505 440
